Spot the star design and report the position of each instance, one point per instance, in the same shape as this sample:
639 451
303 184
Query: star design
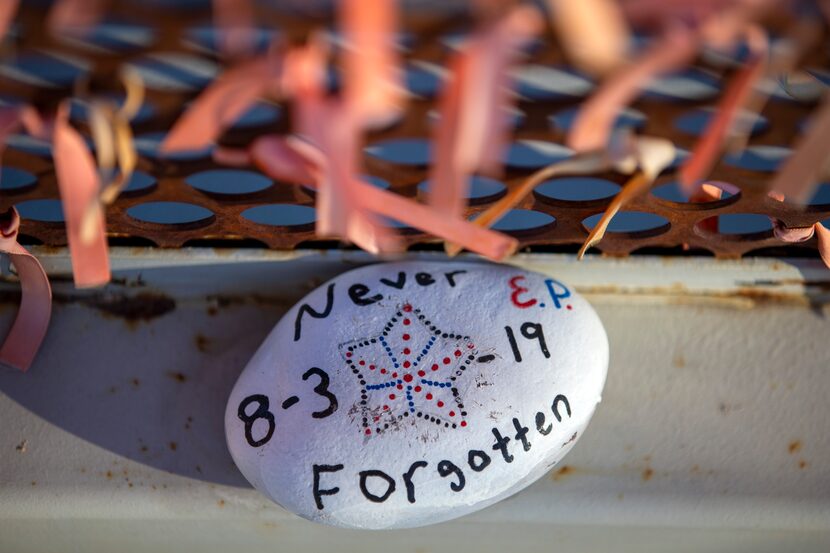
409 370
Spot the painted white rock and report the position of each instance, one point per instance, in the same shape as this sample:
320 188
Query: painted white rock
404 394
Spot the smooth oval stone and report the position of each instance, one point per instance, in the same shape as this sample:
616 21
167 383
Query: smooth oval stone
404 394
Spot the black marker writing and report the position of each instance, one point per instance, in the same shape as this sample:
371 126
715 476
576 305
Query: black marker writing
260 413
322 389
390 485
407 479
305 308
316 491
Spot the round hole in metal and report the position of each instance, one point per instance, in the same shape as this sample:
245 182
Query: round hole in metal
799 87
44 68
694 122
524 220
16 180
671 193
684 86
29 144
174 71
207 39
424 78
110 37
46 211
259 114
281 215
139 183
403 151
628 118
762 158
576 189
148 145
548 82
630 222
171 213
736 226
228 182
534 154
79 109
480 189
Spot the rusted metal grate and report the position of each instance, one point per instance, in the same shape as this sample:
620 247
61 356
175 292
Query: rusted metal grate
221 217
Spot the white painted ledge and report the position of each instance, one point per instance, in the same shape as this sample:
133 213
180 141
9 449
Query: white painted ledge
712 435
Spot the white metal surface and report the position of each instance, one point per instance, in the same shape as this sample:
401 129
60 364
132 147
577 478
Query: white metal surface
712 435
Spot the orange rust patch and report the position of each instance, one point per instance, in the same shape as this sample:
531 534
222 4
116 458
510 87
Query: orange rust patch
173 446
794 447
177 376
802 464
221 502
109 475
563 472
647 474
202 342
679 361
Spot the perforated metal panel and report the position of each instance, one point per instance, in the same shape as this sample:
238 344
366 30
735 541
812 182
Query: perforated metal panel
174 50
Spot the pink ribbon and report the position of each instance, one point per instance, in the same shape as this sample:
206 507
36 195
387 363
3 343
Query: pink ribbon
29 327
223 102
596 117
709 146
291 159
78 183
8 8
474 127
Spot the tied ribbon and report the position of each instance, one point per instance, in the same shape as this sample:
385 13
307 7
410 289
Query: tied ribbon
78 182
294 160
29 327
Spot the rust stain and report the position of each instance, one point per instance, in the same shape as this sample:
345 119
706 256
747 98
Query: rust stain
144 306
679 361
794 447
177 376
647 474
563 472
212 310
109 475
34 483
221 503
802 464
202 342
173 446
